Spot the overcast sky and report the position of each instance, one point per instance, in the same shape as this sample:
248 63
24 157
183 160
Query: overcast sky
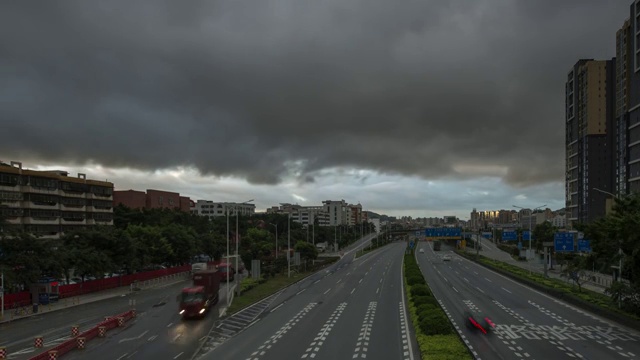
422 108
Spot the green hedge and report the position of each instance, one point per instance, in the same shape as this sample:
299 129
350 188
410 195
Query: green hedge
436 337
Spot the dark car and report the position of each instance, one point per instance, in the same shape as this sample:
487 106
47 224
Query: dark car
475 321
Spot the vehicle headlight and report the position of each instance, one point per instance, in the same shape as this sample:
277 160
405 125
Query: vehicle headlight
181 312
202 311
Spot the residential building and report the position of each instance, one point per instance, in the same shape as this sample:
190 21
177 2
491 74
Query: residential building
633 86
213 209
589 115
559 221
305 215
624 71
152 199
337 210
51 203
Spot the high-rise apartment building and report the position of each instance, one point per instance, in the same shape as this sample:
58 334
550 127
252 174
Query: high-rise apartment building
589 138
633 91
623 86
51 203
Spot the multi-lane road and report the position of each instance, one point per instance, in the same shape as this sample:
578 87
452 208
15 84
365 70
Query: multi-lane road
529 324
354 308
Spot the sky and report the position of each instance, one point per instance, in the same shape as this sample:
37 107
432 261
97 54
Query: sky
416 107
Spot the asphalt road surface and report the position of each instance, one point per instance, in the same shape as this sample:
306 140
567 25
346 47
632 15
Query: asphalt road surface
529 324
353 309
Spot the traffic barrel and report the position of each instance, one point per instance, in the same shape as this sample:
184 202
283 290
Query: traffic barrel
53 354
75 330
38 342
3 352
102 331
120 321
81 342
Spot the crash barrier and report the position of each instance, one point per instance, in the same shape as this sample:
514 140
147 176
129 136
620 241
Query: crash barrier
81 339
23 298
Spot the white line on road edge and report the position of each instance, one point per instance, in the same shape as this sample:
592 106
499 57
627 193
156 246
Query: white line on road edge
479 289
352 291
329 289
169 324
405 313
300 292
276 308
253 322
177 356
121 357
133 338
506 290
317 281
488 280
454 288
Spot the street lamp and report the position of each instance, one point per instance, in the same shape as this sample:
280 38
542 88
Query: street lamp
227 264
237 235
530 220
276 225
619 245
289 245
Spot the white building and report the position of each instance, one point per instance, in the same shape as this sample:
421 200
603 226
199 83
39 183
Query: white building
337 211
376 223
213 209
559 221
305 215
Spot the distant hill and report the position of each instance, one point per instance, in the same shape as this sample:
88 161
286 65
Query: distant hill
372 215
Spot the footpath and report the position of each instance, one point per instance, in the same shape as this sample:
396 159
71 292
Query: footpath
28 311
593 281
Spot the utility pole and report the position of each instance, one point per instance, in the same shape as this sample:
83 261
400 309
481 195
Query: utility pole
289 244
2 294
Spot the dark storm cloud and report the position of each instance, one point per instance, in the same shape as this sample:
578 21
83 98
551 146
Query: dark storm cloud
263 89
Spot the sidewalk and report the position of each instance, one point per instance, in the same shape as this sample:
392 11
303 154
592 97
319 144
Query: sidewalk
491 251
27 311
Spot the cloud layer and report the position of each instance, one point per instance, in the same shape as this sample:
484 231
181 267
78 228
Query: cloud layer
270 90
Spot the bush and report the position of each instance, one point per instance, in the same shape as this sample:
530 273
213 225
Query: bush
426 307
436 323
414 280
420 290
442 347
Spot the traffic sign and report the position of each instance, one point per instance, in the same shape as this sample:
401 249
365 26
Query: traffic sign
584 245
525 235
563 241
509 235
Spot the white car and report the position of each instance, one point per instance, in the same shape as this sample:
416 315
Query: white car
421 251
446 258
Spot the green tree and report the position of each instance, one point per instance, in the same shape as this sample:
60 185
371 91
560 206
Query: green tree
183 242
307 250
151 247
26 257
543 233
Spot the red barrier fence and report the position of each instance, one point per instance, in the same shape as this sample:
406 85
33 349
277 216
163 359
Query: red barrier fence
24 298
72 343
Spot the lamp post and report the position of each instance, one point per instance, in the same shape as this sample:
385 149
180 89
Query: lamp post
238 237
228 297
276 225
289 245
619 245
530 220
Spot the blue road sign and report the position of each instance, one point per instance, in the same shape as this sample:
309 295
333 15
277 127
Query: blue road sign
487 234
509 235
563 241
525 235
411 244
584 245
443 232
519 245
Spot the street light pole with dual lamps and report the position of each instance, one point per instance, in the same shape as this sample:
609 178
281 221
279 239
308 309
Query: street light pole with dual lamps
235 207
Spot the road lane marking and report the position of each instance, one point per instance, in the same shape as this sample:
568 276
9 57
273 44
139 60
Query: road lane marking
488 280
506 290
170 325
325 293
352 291
276 308
122 357
338 281
317 281
152 338
380 281
480 289
300 292
465 279
377 290
133 338
365 332
404 325
348 273
320 339
454 288
253 322
133 353
360 281
177 356
475 272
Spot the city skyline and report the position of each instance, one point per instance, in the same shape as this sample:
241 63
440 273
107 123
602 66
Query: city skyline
298 105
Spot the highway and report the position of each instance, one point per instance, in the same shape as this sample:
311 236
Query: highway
529 324
353 309
55 327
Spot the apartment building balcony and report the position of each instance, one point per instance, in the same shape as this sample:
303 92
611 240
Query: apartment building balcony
67 207
100 209
103 222
11 204
40 220
40 205
38 190
72 221
93 196
14 221
74 194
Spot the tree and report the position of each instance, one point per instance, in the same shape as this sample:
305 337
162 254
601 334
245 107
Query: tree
26 257
183 242
151 247
307 250
543 233
575 271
